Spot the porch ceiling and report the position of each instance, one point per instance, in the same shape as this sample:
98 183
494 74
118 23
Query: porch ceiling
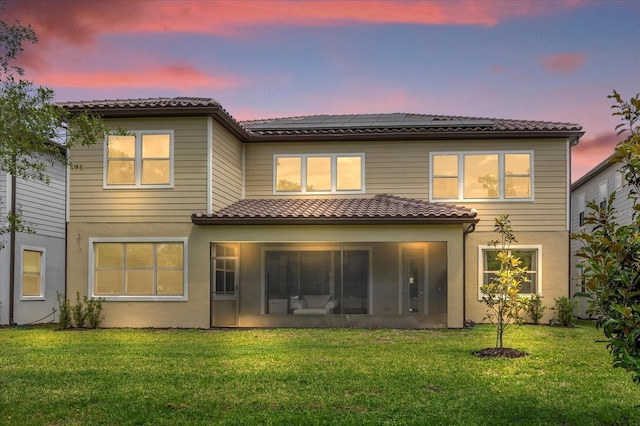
381 209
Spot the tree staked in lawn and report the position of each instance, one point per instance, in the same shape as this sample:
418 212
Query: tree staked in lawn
502 293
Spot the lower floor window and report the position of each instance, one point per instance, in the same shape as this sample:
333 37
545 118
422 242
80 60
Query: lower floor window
32 273
139 269
530 257
311 281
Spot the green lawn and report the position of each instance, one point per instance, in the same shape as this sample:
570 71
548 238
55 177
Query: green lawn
307 377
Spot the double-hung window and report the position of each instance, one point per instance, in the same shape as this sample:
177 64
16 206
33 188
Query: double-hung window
581 209
481 176
33 268
602 192
318 174
138 269
531 257
139 159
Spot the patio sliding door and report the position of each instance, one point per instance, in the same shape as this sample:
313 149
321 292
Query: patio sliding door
341 274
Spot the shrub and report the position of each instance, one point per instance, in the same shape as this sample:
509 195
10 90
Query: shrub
534 308
79 312
64 320
565 309
93 312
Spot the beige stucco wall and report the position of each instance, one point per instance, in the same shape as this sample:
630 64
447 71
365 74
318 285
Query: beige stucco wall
196 311
555 268
192 313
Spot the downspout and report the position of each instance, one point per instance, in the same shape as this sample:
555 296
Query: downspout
12 250
470 229
572 142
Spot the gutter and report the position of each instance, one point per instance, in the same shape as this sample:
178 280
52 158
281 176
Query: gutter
390 134
201 219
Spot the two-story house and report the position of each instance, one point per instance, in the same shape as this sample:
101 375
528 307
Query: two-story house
192 219
32 265
595 186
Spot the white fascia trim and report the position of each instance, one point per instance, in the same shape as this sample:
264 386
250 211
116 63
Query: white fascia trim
209 165
568 186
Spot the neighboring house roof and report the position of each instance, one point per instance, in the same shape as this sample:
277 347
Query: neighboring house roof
605 164
379 209
334 127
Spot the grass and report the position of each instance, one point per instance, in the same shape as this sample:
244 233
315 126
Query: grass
310 377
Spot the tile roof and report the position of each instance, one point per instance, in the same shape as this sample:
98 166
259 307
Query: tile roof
379 209
141 103
398 123
330 127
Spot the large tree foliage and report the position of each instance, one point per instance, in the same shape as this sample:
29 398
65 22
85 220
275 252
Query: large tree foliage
34 131
611 252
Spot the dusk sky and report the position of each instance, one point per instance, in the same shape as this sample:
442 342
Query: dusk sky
537 60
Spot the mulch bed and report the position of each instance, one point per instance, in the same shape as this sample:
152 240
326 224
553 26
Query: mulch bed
499 353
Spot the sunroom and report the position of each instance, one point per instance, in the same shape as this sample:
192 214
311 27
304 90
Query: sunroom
369 262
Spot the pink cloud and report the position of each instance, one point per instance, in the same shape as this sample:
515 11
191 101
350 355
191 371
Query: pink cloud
563 63
591 151
80 22
177 77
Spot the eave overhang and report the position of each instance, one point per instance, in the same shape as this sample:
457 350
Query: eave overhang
404 134
203 219
382 209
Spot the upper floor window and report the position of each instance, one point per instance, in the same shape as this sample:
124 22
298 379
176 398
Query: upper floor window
602 200
482 176
319 174
619 179
581 208
139 159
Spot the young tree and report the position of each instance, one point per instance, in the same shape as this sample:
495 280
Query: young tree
34 131
501 293
611 272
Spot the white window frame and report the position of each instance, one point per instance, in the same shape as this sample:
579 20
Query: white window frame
619 179
131 298
532 247
303 173
43 263
581 209
224 295
138 161
501 178
603 195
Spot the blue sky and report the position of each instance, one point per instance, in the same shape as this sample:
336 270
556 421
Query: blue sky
538 60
